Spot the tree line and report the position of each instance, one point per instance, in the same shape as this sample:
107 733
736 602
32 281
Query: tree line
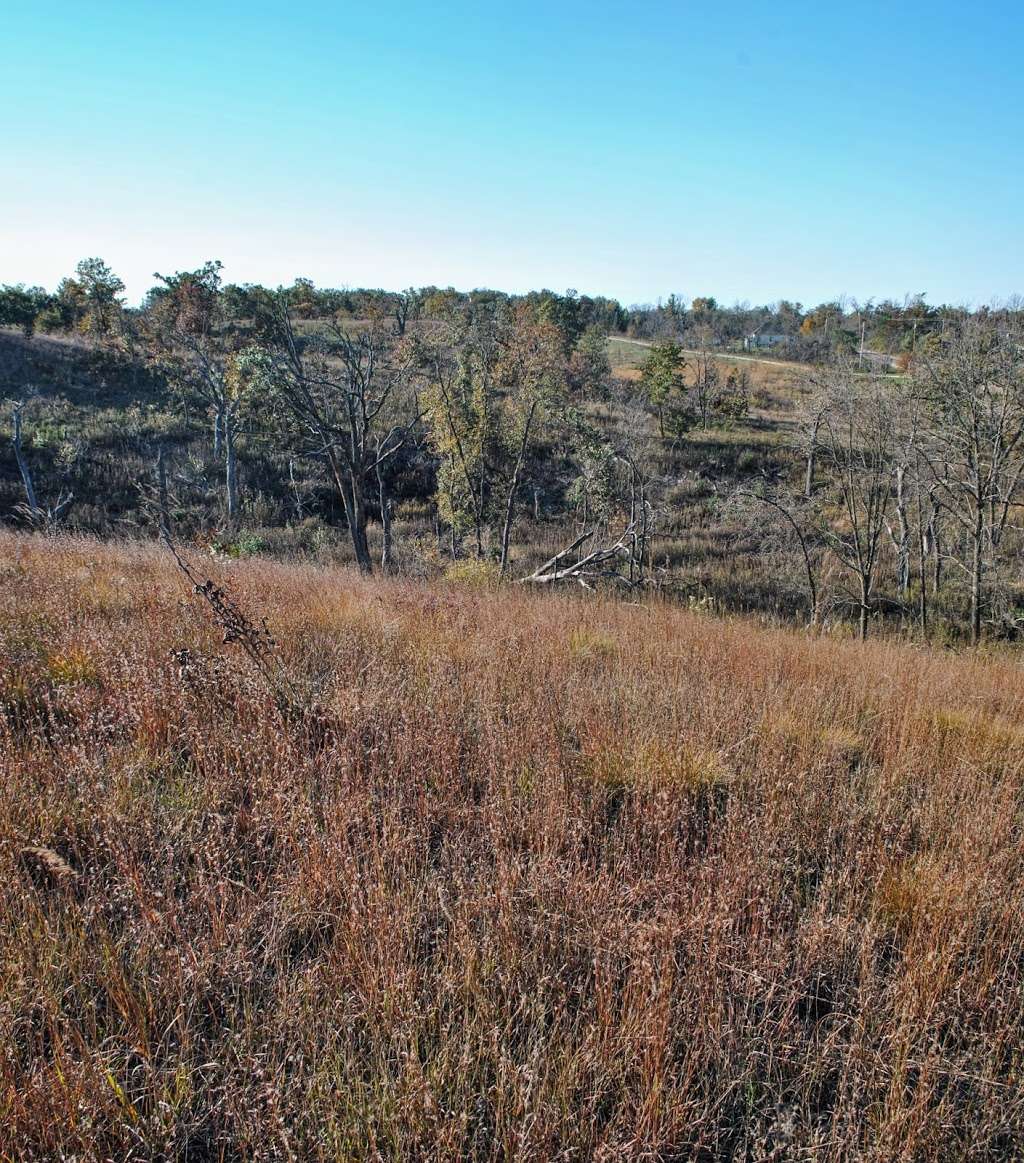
894 496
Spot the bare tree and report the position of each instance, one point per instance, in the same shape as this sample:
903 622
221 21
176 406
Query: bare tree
706 381
790 513
532 366
343 393
974 446
810 425
906 457
857 437
46 515
186 320
405 307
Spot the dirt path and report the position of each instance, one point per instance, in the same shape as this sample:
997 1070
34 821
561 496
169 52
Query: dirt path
718 354
802 368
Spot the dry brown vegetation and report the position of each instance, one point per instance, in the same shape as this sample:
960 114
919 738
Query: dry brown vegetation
774 375
519 878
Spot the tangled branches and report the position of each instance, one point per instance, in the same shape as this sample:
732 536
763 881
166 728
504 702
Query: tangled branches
252 636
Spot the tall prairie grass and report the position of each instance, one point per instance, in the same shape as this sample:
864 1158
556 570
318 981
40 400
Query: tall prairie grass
532 877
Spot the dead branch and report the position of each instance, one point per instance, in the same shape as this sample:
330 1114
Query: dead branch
591 568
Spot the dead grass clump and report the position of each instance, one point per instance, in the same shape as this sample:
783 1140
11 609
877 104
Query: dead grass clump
48 867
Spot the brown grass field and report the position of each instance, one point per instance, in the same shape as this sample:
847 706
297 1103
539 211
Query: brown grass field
782 376
504 876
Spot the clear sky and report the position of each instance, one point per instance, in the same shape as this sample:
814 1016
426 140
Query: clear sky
743 150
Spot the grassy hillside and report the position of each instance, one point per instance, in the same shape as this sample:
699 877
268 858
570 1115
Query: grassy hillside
94 423
507 877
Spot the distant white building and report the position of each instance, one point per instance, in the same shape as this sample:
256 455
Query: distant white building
763 339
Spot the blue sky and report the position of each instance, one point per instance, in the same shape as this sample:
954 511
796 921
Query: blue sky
746 151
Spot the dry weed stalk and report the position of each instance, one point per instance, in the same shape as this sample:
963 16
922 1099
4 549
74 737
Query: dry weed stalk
253 637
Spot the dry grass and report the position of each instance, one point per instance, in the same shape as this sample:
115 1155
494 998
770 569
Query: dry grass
782 377
535 878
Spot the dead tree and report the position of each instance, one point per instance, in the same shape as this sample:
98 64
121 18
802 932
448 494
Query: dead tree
787 512
532 367
811 427
339 391
42 515
187 322
857 437
905 455
705 387
390 447
596 566
974 446
19 456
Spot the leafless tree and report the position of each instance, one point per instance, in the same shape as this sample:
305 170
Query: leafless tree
810 425
857 444
974 443
186 322
790 511
38 514
344 394
906 458
705 382
532 366
405 307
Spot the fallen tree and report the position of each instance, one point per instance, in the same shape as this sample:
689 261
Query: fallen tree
595 566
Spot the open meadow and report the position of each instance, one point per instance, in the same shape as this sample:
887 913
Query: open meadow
451 872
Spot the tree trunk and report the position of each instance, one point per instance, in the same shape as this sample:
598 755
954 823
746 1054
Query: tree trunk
936 531
358 522
230 470
478 517
865 608
903 540
506 528
218 432
510 502
812 452
161 477
26 475
977 565
350 489
299 508
386 513
922 552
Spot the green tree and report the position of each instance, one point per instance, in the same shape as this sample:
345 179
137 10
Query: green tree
565 312
102 291
733 400
590 368
20 306
459 405
704 305
662 377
